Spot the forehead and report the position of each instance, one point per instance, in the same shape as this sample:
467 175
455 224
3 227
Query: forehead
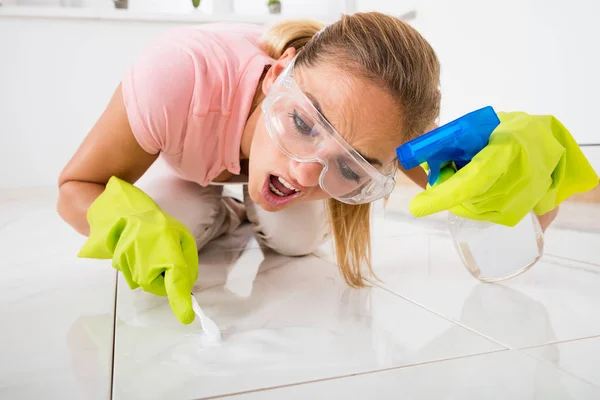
365 115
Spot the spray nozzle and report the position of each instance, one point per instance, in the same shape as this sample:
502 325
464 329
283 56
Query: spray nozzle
457 141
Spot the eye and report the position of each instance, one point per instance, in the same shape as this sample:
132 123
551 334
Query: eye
346 172
301 126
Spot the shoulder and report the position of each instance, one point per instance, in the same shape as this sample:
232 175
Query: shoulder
203 46
219 42
190 71
212 58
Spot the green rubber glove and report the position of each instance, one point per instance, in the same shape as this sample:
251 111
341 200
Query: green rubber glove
530 163
150 248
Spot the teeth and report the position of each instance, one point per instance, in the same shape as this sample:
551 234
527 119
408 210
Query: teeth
287 185
274 190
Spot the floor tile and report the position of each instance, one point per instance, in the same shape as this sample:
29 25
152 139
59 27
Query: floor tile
284 320
397 221
57 311
292 320
393 221
498 376
580 357
556 300
574 244
582 214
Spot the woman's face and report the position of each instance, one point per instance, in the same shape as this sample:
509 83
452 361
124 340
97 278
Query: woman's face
364 115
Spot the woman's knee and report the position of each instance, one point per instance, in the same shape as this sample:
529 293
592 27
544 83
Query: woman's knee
200 209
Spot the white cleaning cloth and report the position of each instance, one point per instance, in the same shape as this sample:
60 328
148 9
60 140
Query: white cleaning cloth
210 329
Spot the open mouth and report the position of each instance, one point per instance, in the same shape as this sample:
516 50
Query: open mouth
281 187
277 191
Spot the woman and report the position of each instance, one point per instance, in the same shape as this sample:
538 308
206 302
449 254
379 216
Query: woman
309 115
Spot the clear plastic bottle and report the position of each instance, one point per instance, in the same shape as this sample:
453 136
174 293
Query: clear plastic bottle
492 252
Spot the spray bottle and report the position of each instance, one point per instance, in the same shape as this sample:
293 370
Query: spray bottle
490 252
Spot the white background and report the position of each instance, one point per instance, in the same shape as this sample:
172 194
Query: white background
56 75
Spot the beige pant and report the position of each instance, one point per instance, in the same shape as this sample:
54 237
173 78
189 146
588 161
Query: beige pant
295 231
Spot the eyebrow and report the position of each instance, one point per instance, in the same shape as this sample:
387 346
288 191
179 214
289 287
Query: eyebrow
315 102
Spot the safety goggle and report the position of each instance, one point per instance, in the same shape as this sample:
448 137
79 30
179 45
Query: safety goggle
304 135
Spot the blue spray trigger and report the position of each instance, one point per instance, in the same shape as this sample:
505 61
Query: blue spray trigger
457 141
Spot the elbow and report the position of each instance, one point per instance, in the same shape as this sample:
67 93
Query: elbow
66 207
64 198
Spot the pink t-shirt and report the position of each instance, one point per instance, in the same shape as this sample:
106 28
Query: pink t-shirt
189 94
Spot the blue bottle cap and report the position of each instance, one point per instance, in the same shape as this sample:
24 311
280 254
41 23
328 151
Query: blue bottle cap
457 141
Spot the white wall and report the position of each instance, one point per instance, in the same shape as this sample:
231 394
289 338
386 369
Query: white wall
56 77
541 56
593 155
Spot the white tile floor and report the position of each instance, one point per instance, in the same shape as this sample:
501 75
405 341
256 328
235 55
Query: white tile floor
56 311
71 328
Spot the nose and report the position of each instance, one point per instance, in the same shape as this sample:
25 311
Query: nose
306 173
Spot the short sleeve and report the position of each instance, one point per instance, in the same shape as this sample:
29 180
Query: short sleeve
158 91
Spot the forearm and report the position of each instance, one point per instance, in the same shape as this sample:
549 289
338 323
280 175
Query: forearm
74 199
547 219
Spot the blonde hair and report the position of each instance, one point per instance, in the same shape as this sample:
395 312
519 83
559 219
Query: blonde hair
389 53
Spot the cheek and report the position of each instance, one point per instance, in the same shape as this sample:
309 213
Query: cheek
264 154
262 148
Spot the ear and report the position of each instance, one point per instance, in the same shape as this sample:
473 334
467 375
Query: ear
276 69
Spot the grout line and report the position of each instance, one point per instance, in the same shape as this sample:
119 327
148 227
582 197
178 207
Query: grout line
572 259
506 347
558 342
433 312
114 343
563 370
586 267
375 371
457 323
575 229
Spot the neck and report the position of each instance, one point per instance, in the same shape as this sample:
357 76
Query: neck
253 117
248 134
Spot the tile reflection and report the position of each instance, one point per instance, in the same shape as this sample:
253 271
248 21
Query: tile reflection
283 320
